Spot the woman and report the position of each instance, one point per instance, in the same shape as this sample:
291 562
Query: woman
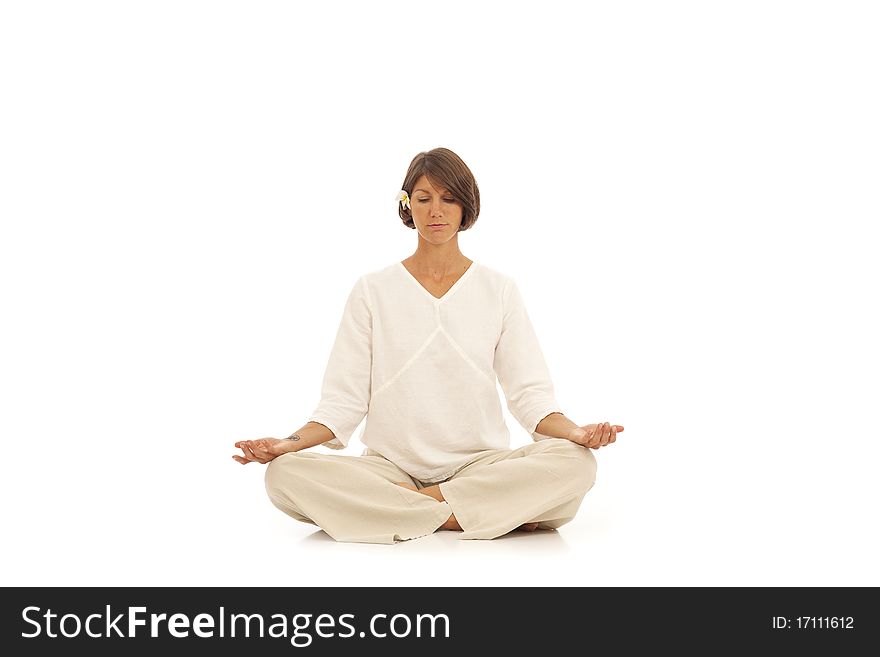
417 352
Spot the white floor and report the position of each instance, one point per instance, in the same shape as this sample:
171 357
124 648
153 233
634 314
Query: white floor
169 523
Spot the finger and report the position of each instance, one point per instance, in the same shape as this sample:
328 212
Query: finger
241 460
256 457
619 427
263 455
613 434
255 447
597 436
606 433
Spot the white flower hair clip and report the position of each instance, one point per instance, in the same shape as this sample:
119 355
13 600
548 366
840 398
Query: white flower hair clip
403 197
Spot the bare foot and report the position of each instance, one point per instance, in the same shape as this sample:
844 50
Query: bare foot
452 523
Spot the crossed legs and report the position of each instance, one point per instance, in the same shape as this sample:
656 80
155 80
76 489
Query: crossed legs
369 499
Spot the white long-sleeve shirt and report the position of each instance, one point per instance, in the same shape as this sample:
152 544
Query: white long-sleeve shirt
423 370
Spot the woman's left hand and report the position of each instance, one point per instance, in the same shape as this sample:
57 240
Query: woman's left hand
595 435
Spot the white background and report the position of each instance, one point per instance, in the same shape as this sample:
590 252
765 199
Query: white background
685 192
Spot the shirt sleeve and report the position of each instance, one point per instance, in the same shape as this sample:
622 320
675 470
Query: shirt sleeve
345 390
520 366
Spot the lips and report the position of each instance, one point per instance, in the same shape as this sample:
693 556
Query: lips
436 224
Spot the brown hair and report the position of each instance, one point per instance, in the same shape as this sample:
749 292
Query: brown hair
443 168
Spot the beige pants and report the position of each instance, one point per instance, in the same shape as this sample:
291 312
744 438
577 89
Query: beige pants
355 499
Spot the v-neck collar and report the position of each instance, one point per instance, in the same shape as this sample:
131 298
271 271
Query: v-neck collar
448 292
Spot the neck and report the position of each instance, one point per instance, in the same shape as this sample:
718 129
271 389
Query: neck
438 259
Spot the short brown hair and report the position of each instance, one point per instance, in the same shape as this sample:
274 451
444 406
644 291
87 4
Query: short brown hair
445 169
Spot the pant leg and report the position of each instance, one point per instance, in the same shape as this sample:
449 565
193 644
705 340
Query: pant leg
500 490
352 498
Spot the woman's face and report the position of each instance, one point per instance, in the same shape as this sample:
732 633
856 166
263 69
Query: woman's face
431 205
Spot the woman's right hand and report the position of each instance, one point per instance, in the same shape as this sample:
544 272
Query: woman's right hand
262 450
